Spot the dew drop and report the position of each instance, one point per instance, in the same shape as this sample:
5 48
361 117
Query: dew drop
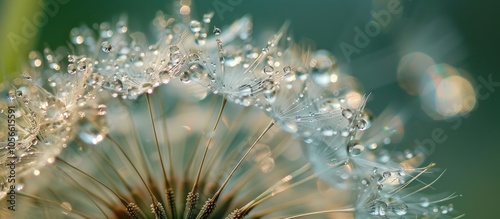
164 77
289 126
121 27
287 69
355 148
386 174
268 70
195 26
400 209
424 202
217 31
328 131
147 87
106 47
268 86
92 128
245 90
361 125
207 18
71 68
185 77
81 66
174 50
347 113
35 59
378 208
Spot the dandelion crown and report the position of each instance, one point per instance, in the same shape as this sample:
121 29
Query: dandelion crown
203 122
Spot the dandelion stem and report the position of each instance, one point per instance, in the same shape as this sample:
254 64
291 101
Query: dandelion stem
191 202
87 192
123 200
133 166
167 183
206 211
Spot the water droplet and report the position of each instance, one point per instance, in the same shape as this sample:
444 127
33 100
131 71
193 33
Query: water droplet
268 70
207 18
217 31
328 131
185 78
378 208
71 68
164 77
35 59
289 126
81 65
105 29
54 109
195 26
121 27
287 69
147 87
194 57
355 148
361 125
92 127
268 86
72 58
245 90
386 174
133 92
106 47
329 105
116 85
197 72
347 113
19 93
400 209
174 50
424 202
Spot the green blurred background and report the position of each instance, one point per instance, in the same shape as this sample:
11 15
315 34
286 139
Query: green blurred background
470 153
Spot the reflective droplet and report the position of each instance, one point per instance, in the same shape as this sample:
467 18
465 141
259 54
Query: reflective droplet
268 70
355 148
174 50
164 77
71 68
378 208
347 113
245 90
195 26
400 209
217 31
207 18
106 47
287 69
268 86
82 65
92 128
147 87
386 174
361 125
328 131
289 126
35 59
185 77
424 202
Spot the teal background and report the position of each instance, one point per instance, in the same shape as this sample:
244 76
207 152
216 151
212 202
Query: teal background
470 154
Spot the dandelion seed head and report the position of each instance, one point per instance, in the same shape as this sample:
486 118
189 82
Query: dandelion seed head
275 129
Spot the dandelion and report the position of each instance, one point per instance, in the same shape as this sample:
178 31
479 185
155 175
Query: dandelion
263 132
45 113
